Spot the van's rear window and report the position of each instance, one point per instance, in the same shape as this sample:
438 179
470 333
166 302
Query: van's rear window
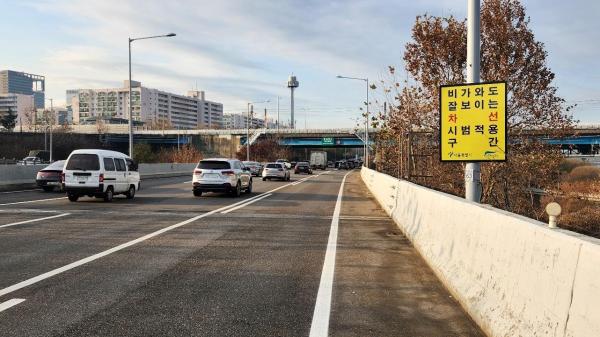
278 166
84 162
213 165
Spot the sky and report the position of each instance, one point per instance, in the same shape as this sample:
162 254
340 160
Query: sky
241 51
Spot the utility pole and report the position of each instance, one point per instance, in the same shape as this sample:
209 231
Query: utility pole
473 170
277 116
266 123
51 124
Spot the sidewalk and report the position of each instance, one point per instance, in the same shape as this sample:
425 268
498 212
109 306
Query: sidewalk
382 287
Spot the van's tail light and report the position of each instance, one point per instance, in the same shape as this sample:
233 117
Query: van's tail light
62 177
101 178
197 172
227 173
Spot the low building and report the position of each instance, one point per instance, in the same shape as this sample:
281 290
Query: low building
153 107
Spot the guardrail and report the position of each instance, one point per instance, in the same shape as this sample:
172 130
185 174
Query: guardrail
16 176
513 275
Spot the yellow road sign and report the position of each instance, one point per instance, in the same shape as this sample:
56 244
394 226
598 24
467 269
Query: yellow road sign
473 122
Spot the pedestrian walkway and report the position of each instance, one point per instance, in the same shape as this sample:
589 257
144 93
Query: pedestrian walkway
382 285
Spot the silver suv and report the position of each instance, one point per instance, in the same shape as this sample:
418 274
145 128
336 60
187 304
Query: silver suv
221 175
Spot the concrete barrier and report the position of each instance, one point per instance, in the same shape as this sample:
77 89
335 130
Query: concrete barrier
513 275
17 176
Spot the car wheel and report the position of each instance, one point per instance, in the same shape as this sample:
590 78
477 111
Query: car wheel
249 188
131 193
48 188
108 195
264 179
288 178
197 193
237 191
73 197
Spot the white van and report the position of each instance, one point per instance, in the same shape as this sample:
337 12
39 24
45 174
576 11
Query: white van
100 174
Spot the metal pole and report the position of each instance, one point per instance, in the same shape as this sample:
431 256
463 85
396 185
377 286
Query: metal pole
292 110
248 134
277 116
367 127
51 124
130 107
473 170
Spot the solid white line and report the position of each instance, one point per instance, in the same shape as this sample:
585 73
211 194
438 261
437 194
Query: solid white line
34 220
246 204
30 201
21 191
188 182
320 321
94 257
10 303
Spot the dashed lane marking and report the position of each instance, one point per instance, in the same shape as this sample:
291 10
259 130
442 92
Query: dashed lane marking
34 220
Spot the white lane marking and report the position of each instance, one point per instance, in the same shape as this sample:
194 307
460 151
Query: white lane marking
94 257
30 201
320 321
188 182
21 191
246 204
34 220
10 303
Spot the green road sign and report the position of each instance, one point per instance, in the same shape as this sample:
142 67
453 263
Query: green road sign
327 141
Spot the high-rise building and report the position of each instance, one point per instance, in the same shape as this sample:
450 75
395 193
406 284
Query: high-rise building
20 105
150 106
232 121
16 82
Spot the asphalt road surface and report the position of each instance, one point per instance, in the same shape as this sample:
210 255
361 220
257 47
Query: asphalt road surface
314 256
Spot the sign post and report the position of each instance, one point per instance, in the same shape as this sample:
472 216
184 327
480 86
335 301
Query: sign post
473 122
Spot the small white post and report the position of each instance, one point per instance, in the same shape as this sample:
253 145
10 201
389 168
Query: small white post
553 209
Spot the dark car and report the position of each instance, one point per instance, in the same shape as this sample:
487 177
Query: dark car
48 178
302 167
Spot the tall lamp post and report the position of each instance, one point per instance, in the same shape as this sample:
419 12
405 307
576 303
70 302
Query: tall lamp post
366 116
248 128
51 123
130 90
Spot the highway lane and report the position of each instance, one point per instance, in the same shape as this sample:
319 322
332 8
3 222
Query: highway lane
249 271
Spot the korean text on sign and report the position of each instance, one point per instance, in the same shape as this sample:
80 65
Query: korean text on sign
473 122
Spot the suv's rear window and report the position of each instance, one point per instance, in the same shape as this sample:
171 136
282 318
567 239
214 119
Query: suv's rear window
213 165
274 166
85 162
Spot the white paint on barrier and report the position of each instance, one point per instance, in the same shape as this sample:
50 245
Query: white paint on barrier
320 322
513 275
34 220
10 303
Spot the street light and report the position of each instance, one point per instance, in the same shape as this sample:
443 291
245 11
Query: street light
51 123
366 116
130 91
248 128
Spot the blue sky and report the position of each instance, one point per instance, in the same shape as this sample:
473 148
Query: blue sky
240 51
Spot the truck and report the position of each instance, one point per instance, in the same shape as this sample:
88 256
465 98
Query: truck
318 160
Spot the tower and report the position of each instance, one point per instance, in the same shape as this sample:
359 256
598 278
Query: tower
292 84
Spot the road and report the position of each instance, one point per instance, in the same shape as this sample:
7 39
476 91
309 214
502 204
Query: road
313 256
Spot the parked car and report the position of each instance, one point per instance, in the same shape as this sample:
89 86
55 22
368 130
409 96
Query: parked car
255 167
221 175
275 170
303 167
30 161
286 163
100 174
49 178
